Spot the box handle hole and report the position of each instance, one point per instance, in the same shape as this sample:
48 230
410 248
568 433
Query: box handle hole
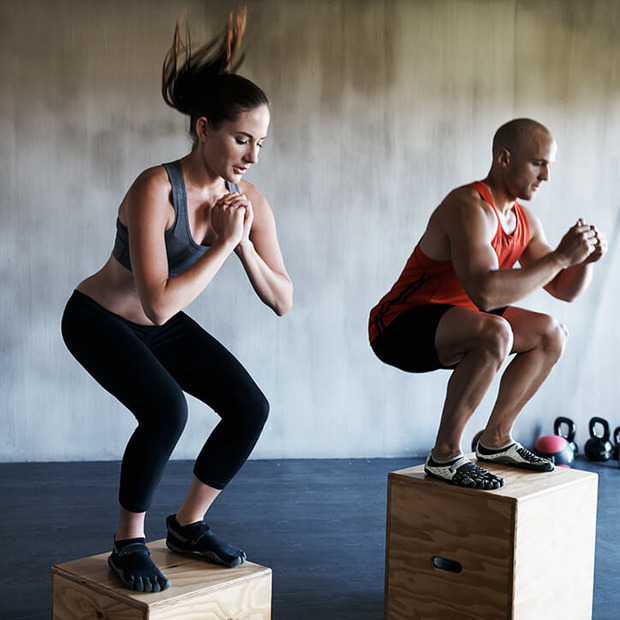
444 564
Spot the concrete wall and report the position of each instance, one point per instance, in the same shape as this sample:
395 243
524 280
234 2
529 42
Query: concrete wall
379 109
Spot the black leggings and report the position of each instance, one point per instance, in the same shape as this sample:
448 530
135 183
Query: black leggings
147 368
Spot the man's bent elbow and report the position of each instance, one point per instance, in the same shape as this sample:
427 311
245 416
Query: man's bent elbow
483 302
479 294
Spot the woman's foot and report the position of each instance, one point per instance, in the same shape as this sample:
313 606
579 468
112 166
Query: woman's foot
131 561
198 539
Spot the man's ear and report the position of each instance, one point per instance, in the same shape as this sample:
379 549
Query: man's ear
504 157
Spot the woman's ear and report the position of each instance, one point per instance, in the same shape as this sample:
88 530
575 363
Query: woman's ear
202 128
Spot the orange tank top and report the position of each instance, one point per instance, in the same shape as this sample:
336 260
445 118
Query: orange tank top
428 281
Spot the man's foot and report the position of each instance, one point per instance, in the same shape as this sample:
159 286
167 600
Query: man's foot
131 561
462 472
198 539
514 454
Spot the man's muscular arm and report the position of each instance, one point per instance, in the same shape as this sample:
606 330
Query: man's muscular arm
470 224
574 279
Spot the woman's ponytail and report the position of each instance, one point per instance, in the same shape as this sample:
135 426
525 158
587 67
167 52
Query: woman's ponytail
203 82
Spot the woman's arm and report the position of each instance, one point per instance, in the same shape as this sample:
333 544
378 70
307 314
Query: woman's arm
148 214
259 252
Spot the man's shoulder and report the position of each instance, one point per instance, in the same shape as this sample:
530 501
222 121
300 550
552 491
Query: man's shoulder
465 200
463 213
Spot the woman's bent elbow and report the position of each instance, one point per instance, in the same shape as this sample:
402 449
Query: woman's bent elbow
283 307
158 319
283 303
157 315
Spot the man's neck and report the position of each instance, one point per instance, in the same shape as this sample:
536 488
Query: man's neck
503 200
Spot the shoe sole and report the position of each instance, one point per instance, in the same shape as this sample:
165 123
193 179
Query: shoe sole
464 486
208 555
511 463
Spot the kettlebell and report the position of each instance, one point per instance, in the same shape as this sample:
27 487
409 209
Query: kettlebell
570 433
598 447
616 453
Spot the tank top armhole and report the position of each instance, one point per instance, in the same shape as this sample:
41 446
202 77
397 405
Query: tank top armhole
527 233
483 189
177 184
485 193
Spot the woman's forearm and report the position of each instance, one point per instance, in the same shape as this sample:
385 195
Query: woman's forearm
273 288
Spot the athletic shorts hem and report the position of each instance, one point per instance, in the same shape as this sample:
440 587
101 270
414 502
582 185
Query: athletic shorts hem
408 342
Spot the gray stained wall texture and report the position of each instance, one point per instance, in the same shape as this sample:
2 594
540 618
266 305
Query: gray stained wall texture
379 109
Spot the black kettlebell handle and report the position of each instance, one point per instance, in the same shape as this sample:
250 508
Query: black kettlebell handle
572 429
617 436
604 423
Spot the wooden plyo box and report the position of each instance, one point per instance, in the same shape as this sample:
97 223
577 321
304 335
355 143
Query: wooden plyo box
89 589
522 552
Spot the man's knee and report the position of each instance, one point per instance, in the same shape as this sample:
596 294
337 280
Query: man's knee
461 332
497 338
554 337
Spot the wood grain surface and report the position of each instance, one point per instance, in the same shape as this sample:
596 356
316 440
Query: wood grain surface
511 545
87 588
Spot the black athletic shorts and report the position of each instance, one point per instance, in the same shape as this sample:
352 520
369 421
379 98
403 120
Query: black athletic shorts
408 342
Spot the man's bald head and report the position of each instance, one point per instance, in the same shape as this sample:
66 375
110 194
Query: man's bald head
514 134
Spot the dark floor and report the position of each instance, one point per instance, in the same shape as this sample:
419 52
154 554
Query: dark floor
319 524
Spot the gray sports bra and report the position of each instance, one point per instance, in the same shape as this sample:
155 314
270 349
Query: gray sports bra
181 249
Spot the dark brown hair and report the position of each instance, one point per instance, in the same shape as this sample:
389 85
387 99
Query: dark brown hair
203 82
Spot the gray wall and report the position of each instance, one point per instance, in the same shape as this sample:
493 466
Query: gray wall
379 109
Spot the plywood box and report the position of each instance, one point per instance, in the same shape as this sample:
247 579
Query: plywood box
525 551
89 589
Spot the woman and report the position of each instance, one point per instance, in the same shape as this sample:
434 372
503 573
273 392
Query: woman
176 226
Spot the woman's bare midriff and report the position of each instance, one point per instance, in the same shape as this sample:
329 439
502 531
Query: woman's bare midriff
113 287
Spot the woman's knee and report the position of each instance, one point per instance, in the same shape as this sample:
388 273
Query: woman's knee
164 414
258 411
252 412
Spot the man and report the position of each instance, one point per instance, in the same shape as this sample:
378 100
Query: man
452 306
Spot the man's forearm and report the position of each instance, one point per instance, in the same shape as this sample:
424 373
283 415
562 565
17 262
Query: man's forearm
504 287
571 282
